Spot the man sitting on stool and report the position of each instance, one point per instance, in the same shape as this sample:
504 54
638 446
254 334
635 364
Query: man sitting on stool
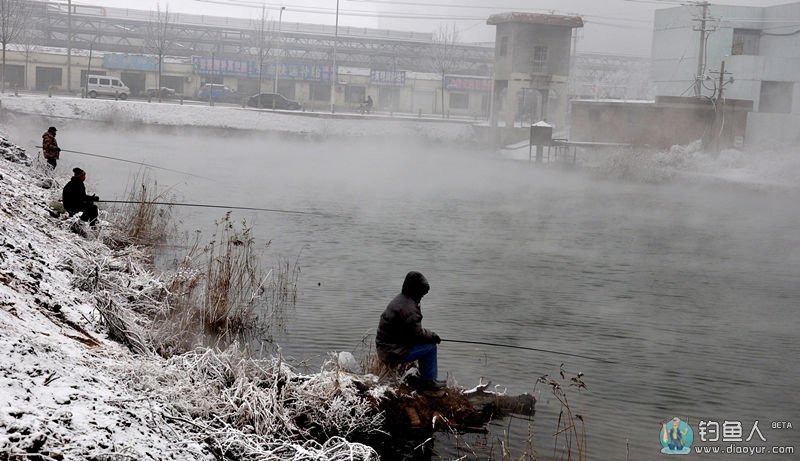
400 336
76 201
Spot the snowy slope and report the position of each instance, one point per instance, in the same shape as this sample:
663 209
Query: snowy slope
68 391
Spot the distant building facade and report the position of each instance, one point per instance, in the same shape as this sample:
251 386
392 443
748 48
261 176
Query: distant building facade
760 48
532 64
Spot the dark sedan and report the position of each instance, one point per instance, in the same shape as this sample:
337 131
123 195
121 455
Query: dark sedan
273 101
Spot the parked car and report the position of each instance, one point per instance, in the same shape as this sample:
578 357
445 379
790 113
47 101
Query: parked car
217 92
103 85
273 101
163 92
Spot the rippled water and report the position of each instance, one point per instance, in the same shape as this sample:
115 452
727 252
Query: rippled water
691 288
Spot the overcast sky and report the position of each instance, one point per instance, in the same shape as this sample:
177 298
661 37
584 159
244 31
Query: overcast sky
612 26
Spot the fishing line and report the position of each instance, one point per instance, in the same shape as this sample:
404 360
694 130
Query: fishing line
205 205
131 161
479 343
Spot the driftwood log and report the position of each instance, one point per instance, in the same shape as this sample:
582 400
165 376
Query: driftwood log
451 409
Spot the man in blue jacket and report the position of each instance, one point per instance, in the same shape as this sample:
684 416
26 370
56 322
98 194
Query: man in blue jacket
400 336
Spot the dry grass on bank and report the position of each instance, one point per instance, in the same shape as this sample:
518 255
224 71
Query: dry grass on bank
220 294
140 221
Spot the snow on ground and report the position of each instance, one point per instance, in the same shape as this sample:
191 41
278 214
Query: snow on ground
68 391
225 116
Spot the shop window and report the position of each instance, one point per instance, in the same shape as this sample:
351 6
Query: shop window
355 94
321 91
459 101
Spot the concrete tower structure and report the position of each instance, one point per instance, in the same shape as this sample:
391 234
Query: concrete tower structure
531 70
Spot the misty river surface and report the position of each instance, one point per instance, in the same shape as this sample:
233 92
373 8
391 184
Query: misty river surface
692 289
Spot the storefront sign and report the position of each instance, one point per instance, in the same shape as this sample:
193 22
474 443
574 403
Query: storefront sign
221 66
314 72
467 84
387 77
130 62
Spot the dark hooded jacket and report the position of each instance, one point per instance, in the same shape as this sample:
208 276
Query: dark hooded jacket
400 326
74 196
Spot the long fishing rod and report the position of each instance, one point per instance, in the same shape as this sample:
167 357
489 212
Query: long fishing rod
480 343
149 165
205 205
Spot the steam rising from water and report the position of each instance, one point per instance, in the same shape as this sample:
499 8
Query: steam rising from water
681 281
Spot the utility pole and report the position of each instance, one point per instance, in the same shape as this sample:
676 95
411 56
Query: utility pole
69 46
278 54
719 107
333 71
701 56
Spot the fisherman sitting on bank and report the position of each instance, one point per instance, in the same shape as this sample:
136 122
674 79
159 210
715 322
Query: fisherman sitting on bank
76 201
402 339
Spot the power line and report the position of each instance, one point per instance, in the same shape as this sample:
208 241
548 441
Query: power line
401 15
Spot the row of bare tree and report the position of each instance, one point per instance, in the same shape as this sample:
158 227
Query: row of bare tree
16 27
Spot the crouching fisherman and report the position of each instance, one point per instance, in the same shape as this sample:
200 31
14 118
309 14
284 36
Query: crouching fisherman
402 339
76 201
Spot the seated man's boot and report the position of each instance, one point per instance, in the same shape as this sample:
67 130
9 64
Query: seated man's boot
432 385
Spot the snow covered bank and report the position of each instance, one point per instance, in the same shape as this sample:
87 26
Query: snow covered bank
173 114
69 391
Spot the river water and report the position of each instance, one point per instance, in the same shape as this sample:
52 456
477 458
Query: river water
691 288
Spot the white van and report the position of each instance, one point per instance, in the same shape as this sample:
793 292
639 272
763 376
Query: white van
103 85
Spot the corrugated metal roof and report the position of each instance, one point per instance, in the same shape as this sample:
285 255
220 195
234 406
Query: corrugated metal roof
535 18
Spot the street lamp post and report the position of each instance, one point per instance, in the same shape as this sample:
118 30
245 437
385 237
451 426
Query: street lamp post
278 54
333 71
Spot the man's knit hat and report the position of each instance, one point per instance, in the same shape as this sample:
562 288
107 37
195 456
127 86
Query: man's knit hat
78 172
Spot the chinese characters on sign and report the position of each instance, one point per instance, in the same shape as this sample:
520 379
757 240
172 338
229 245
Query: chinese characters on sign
221 66
130 62
304 72
387 77
467 84
235 67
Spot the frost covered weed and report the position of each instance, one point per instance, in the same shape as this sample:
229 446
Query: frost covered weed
219 293
140 221
569 438
243 407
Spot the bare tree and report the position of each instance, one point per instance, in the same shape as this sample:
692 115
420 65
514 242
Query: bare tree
445 54
160 38
30 39
262 47
14 15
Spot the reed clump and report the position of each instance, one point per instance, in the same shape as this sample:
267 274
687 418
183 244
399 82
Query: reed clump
569 438
219 293
141 221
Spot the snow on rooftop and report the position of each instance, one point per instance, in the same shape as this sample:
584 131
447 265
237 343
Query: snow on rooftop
535 18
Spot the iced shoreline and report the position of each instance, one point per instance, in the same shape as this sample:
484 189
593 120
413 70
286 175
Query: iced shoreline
70 391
